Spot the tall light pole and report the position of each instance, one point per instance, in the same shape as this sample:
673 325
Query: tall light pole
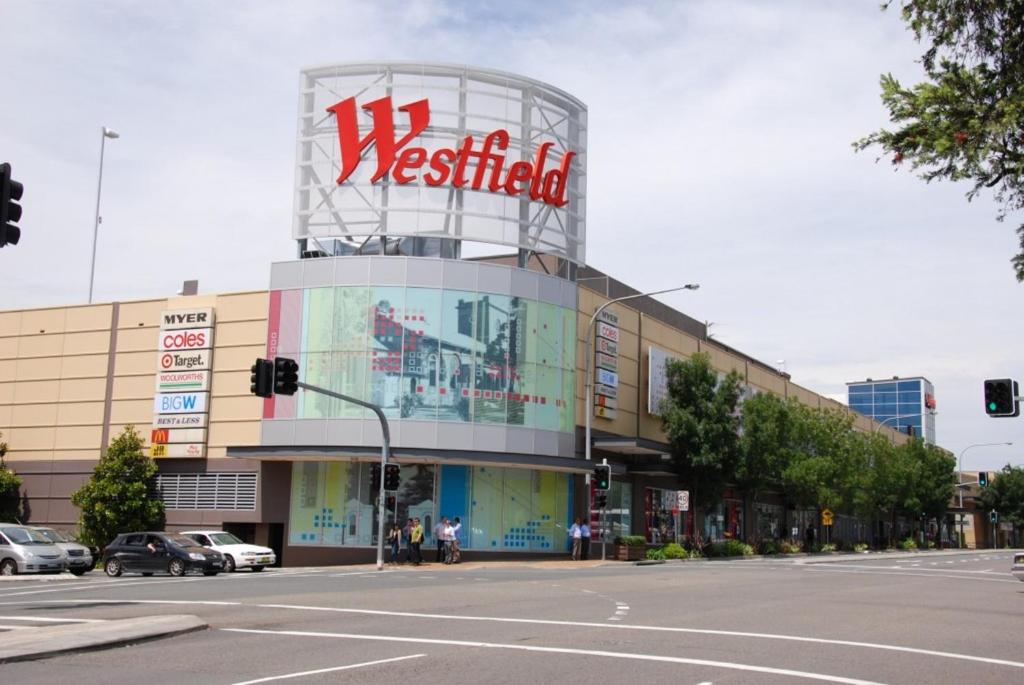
960 478
112 134
588 390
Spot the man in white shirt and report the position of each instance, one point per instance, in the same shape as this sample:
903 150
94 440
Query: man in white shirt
576 533
439 538
449 535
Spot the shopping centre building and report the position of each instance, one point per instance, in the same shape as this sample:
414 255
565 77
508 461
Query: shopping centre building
440 222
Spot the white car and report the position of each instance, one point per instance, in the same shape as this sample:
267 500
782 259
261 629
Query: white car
1018 565
237 554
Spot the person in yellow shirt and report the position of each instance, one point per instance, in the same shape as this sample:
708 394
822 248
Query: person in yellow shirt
415 540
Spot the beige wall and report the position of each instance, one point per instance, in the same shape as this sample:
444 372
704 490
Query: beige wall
54 374
638 332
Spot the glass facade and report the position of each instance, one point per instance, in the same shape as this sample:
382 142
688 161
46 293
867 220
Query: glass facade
500 508
905 405
663 521
430 354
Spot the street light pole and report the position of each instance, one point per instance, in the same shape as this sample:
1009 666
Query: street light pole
588 390
960 479
112 134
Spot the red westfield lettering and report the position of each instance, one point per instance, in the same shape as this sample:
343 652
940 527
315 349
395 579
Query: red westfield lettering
445 164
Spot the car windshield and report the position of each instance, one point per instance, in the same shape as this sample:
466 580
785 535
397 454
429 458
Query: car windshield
24 536
181 541
52 535
225 539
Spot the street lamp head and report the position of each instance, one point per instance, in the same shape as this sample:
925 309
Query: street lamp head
692 286
110 133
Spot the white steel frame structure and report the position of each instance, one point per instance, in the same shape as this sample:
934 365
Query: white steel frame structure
463 101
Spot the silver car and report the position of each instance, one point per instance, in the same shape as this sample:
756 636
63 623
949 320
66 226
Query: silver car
79 557
25 550
1018 565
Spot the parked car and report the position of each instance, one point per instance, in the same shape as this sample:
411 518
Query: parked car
1018 565
80 559
149 553
237 554
24 550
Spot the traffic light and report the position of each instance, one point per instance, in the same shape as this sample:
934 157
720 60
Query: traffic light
983 479
375 478
600 499
389 502
993 516
262 378
602 477
10 210
1001 397
286 376
392 476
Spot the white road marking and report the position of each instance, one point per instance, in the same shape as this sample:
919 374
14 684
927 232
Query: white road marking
538 621
128 582
359 573
3 627
566 650
330 670
941 574
48 619
589 592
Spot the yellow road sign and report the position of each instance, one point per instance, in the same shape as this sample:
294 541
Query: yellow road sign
826 517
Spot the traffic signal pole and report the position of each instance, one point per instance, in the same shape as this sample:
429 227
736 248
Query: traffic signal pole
385 455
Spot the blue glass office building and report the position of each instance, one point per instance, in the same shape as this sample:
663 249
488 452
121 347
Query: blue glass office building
906 404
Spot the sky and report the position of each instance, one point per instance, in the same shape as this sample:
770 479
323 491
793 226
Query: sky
719 152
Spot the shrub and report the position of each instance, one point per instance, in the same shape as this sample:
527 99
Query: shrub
674 550
730 548
631 540
769 547
656 553
829 547
860 547
787 547
907 544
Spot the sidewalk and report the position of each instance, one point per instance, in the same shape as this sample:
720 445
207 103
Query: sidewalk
26 644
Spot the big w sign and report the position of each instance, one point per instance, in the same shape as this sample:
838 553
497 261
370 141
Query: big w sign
445 165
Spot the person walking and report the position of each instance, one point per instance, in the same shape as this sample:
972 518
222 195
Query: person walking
406 538
576 533
395 542
456 541
439 538
415 540
585 541
449 533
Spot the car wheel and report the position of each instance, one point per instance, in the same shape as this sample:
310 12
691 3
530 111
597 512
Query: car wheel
210 573
176 567
78 571
257 569
8 567
229 563
112 568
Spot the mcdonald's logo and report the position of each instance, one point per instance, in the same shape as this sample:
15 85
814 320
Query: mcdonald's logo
159 436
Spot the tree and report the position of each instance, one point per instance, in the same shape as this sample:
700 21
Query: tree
117 498
824 469
936 485
701 421
10 489
1005 494
965 122
766 443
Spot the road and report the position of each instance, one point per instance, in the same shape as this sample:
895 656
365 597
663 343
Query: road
930 618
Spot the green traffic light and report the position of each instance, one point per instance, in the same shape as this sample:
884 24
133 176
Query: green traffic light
992 406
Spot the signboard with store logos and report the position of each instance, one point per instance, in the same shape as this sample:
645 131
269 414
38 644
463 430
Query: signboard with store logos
181 404
606 354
